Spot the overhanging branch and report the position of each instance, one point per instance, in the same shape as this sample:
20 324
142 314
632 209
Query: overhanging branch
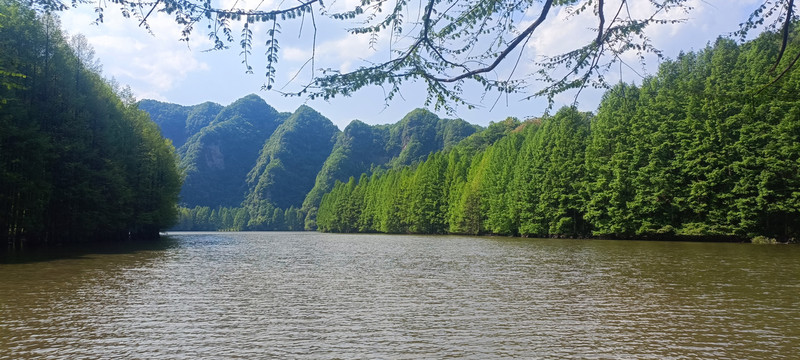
511 46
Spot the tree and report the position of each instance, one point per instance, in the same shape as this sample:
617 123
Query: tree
426 214
85 53
609 163
690 154
497 185
77 162
447 44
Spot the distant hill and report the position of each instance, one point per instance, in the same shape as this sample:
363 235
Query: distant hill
178 122
247 154
291 158
217 152
362 147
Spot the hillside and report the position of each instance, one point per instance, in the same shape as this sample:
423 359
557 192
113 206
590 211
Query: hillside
178 123
218 158
247 155
290 159
362 147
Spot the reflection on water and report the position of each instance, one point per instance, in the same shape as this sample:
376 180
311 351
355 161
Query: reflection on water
310 295
81 250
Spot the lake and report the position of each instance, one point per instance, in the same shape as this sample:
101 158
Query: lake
309 295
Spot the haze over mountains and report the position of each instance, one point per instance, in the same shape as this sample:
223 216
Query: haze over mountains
249 154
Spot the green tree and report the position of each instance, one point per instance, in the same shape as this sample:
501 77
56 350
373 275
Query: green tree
78 162
468 215
451 44
426 196
609 163
496 187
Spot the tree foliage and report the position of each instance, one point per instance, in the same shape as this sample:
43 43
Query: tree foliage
267 217
77 163
446 44
699 150
362 148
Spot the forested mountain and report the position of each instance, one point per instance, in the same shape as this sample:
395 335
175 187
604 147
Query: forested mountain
77 163
248 156
178 122
703 149
291 159
362 147
218 158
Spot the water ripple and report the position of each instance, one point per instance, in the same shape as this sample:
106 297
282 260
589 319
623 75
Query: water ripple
321 296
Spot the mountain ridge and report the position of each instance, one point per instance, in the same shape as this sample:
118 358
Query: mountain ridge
247 154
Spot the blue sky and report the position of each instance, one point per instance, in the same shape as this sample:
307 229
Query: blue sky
161 67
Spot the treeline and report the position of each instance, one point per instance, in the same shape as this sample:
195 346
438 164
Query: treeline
702 149
265 216
262 218
77 163
252 159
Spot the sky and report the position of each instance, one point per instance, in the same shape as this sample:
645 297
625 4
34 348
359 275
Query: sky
159 66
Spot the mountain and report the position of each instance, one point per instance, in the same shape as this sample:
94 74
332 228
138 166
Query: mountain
218 158
291 158
361 147
178 122
248 155
420 133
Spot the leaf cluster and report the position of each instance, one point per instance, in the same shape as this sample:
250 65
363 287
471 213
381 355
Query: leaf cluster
78 160
699 151
449 45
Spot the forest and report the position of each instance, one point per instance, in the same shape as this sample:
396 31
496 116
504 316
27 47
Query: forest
79 161
250 167
708 149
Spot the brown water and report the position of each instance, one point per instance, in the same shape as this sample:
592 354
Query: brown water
323 296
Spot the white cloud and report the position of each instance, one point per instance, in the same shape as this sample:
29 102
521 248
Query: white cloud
116 44
341 54
295 54
150 64
343 5
559 34
706 20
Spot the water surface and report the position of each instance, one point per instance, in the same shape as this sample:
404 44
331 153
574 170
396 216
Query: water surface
327 296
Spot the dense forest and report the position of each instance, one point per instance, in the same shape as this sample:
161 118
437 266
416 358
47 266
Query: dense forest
249 167
217 145
707 148
78 160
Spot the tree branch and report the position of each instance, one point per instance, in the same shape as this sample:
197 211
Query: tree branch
602 22
784 42
783 73
528 31
144 19
227 13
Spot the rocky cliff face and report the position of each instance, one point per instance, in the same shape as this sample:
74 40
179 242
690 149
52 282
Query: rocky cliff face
218 158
